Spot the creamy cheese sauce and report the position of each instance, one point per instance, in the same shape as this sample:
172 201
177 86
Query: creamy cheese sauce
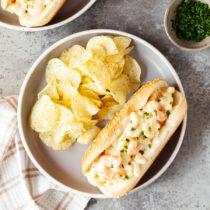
135 146
29 7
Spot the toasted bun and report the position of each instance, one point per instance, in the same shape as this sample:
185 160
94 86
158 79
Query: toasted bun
108 135
33 21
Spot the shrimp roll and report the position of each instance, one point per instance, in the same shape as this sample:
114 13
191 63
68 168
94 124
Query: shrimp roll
128 145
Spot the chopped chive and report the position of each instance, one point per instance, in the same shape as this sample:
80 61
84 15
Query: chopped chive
149 145
168 112
133 129
141 152
146 113
126 177
155 111
127 140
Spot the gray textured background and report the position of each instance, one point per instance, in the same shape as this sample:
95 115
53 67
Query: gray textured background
186 184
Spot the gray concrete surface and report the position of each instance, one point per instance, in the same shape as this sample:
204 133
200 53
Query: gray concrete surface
186 184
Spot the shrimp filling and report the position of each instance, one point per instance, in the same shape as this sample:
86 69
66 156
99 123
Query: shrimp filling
135 146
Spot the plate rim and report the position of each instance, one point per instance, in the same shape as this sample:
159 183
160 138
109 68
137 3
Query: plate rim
54 46
49 27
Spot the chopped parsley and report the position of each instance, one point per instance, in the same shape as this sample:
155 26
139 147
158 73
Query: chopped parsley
133 129
149 145
141 152
170 102
131 156
112 166
121 139
127 140
126 147
126 177
125 151
168 112
122 151
158 100
146 113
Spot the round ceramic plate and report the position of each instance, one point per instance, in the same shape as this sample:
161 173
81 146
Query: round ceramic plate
64 167
69 11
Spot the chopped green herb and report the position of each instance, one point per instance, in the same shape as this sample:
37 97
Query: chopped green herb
158 100
141 152
146 113
155 111
149 145
192 21
142 132
171 102
112 166
121 139
125 151
127 140
133 129
131 156
168 112
126 177
126 147
144 136
122 151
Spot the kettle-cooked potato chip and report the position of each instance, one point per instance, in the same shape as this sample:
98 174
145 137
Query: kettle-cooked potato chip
56 69
44 115
106 42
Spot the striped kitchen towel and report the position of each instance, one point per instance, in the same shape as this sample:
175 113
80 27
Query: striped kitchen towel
22 186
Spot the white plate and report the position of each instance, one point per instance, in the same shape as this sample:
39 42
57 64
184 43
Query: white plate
64 167
69 11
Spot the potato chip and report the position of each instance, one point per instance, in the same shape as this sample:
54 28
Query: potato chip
108 112
122 42
107 98
88 123
56 69
97 71
107 43
119 88
133 71
89 135
66 91
66 116
50 90
73 56
51 139
44 115
82 107
96 87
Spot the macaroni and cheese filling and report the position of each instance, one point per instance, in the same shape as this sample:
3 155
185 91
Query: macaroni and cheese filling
135 146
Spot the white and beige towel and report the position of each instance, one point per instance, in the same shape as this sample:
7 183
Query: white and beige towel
22 186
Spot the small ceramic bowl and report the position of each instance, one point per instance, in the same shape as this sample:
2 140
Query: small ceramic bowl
181 43
71 10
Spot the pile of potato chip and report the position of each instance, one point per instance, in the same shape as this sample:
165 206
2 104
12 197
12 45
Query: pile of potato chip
84 87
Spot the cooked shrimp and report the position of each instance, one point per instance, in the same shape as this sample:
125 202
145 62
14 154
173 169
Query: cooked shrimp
108 167
160 111
132 148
